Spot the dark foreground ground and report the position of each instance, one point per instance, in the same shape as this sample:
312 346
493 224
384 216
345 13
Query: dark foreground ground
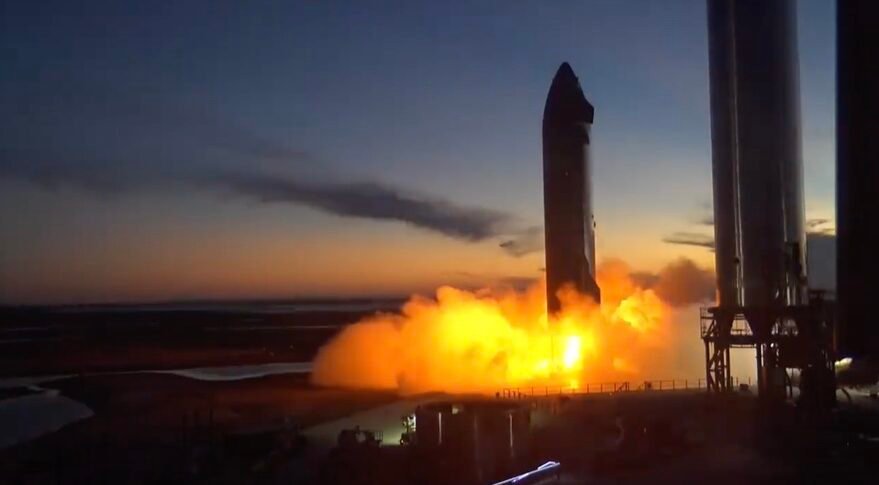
638 437
280 429
150 428
86 339
153 428
694 437
161 428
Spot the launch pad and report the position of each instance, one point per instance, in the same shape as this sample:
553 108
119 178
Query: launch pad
785 337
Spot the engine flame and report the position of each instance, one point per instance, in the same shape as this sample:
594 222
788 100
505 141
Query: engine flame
483 341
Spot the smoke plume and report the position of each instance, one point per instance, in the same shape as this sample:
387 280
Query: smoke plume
373 201
690 239
483 341
679 283
683 283
119 142
526 241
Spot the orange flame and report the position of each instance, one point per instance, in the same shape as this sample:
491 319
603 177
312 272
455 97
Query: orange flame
483 341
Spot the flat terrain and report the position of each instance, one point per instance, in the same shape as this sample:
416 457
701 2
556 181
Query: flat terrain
150 424
72 340
154 427
151 427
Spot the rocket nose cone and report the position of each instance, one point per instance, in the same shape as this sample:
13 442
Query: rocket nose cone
565 71
565 81
565 101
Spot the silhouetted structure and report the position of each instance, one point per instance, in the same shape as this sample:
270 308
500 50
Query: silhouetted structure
567 189
758 205
857 175
756 154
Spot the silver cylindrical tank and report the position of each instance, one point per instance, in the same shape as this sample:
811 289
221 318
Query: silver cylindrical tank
756 150
721 58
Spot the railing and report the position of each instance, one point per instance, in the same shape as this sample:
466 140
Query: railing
603 388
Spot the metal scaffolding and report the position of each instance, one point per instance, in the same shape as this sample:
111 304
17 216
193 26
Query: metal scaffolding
792 337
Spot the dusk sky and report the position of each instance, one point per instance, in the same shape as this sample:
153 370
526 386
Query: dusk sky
179 150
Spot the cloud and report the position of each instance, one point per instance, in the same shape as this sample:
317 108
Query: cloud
690 239
814 223
813 226
706 213
372 201
820 226
685 279
108 141
706 220
526 241
480 282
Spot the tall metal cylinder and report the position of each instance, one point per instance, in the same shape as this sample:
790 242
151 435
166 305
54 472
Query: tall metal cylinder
567 189
721 58
770 160
857 175
756 154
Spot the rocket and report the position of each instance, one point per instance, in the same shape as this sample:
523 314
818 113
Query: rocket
567 190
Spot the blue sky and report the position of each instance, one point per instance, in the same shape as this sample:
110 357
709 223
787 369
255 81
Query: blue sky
124 104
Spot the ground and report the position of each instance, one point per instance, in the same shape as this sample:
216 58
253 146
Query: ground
159 416
152 427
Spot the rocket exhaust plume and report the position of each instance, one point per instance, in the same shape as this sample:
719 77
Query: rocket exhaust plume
483 341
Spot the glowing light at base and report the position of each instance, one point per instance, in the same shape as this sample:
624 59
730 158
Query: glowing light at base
484 341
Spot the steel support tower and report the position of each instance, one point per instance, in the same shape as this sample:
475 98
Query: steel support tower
785 338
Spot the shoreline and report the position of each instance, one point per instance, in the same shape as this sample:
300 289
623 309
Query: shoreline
205 373
150 410
47 343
